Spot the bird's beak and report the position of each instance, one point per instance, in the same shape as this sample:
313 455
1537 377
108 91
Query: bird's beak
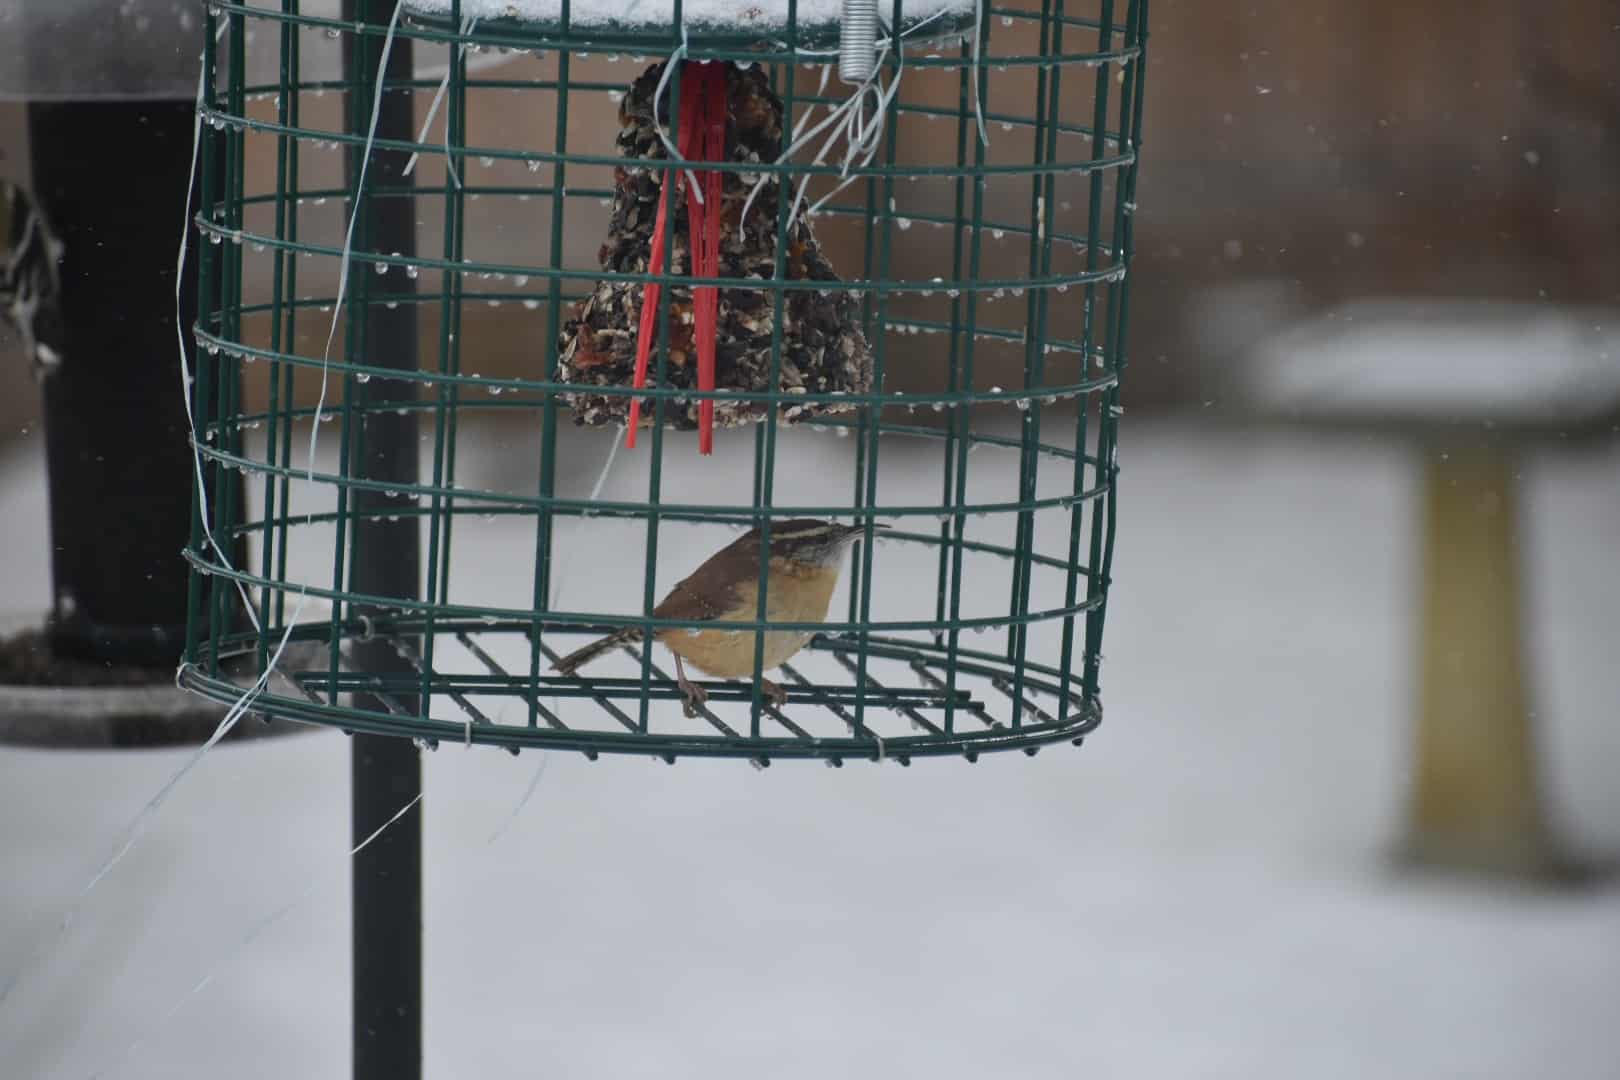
859 528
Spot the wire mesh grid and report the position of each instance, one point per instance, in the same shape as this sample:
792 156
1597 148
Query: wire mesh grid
989 278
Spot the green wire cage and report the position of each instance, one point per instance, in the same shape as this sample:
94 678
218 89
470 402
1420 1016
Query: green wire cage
424 284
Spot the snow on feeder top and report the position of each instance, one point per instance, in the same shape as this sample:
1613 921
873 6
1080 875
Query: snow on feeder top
762 20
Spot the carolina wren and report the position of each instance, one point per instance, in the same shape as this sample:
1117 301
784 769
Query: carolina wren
802 570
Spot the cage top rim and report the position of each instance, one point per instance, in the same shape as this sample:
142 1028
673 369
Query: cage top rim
703 42
813 29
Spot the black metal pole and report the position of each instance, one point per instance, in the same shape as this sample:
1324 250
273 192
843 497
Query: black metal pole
118 463
385 561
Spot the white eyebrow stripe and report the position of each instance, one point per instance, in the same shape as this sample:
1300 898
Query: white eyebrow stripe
794 534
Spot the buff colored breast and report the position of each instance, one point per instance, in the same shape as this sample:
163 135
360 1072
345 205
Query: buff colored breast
798 593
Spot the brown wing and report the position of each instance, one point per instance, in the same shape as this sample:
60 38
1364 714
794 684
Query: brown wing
711 591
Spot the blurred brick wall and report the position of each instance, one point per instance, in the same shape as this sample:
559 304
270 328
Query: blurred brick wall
1299 155
1295 155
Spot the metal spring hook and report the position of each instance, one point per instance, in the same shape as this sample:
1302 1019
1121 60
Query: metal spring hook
857 41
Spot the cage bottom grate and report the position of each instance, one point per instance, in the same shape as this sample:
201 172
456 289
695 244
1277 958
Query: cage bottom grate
905 704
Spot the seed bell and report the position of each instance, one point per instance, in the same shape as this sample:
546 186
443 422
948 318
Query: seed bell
719 337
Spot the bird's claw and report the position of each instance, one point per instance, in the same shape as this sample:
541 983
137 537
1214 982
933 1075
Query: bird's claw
773 693
693 697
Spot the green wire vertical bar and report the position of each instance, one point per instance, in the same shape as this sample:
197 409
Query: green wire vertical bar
759 464
291 98
1107 455
211 368
962 410
456 119
352 302
1131 101
1033 336
864 416
447 392
278 306
224 215
545 523
765 462
873 416
448 479
197 606
965 124
227 494
1099 150
858 497
655 470
1043 219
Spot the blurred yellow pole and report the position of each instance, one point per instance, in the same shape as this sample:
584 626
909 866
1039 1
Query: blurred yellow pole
1475 802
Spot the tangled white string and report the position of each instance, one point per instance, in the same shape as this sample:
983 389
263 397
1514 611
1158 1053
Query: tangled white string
467 27
259 927
675 60
860 120
138 824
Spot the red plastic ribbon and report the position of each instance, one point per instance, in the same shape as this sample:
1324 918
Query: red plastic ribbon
702 137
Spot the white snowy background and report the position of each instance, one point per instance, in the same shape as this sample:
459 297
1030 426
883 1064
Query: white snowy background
1202 890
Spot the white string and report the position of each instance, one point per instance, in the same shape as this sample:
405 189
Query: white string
285 909
862 140
798 138
528 793
975 49
348 236
263 924
613 453
467 26
862 137
679 55
281 912
143 817
186 379
556 594
277 914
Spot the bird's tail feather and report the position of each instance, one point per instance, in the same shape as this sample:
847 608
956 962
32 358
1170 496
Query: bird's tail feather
580 657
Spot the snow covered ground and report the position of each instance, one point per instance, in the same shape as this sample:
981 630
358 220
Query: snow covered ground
1198 892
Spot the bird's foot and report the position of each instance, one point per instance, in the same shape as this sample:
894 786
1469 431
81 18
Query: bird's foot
694 695
773 693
